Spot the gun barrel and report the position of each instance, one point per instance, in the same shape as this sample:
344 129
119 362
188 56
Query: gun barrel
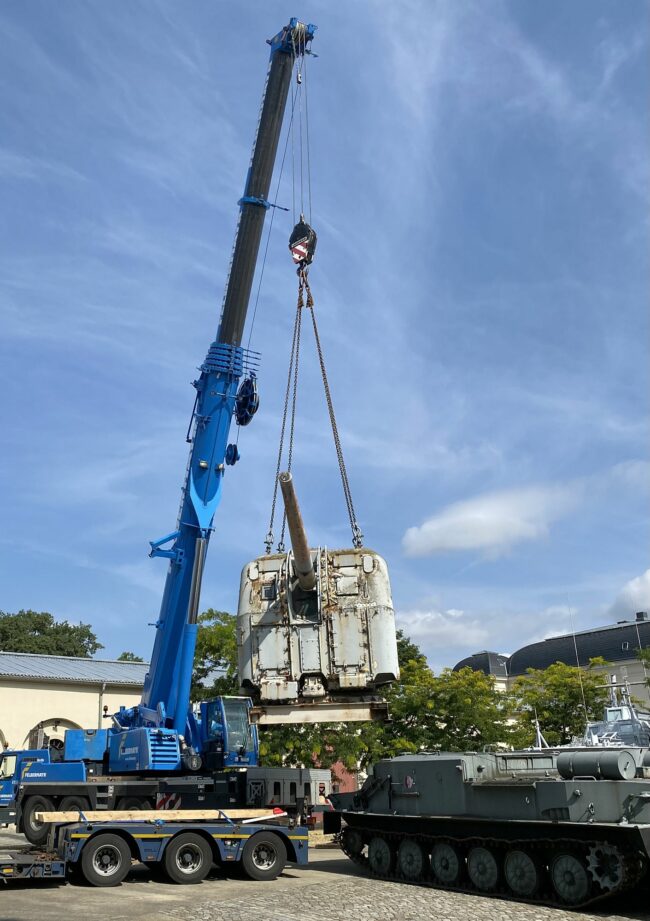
301 555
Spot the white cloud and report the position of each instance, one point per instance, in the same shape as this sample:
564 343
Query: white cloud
434 629
633 597
493 522
633 473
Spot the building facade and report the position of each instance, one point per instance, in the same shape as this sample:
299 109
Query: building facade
616 643
42 696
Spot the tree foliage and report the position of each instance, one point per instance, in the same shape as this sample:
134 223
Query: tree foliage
39 632
453 711
558 697
644 657
129 657
215 659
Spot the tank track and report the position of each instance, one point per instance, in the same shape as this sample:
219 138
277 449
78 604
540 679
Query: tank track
632 863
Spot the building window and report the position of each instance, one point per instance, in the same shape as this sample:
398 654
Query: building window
625 646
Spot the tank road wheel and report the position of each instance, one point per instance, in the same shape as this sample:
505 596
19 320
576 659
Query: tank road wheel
381 856
570 879
264 856
187 859
34 830
351 841
521 874
483 869
105 860
411 859
446 863
605 864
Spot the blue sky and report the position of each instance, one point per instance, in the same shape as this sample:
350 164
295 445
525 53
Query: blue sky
479 177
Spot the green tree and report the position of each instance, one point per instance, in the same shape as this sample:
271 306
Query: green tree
215 659
129 657
452 711
39 632
558 696
469 712
643 655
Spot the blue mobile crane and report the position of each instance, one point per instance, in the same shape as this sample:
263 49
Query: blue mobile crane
161 739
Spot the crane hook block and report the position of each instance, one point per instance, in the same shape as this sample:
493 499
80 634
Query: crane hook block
302 243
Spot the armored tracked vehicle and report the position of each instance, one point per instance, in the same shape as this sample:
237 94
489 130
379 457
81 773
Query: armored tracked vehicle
557 828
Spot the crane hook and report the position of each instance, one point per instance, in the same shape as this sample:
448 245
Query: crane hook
302 243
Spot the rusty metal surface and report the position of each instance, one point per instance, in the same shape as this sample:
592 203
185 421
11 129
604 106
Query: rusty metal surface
302 561
336 643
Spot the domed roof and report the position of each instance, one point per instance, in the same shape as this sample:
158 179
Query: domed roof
491 663
613 643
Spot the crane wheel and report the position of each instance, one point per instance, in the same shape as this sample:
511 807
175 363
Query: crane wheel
187 858
264 856
132 804
73 804
105 860
34 830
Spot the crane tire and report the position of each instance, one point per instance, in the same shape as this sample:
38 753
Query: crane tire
73 804
264 856
187 858
105 860
36 832
131 804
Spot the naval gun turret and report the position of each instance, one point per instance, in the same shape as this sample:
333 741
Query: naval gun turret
315 630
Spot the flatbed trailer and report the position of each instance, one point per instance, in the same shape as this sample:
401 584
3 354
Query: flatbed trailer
31 864
296 790
184 850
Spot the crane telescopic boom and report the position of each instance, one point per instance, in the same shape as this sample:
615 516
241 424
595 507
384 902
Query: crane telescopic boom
220 393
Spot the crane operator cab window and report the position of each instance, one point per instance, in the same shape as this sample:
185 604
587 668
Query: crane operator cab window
215 722
237 733
7 767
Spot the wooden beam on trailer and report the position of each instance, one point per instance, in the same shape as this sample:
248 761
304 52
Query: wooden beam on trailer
152 815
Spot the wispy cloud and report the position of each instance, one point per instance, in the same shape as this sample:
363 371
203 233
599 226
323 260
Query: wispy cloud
21 166
491 523
436 630
633 597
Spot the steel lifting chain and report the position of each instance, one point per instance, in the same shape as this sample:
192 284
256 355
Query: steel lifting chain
357 536
290 393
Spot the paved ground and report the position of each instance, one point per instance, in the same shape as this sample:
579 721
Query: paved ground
331 889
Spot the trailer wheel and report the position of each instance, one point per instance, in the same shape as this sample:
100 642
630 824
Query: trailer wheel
264 856
34 830
105 860
187 859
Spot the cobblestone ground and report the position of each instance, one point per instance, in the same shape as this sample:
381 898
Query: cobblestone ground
329 889
360 899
